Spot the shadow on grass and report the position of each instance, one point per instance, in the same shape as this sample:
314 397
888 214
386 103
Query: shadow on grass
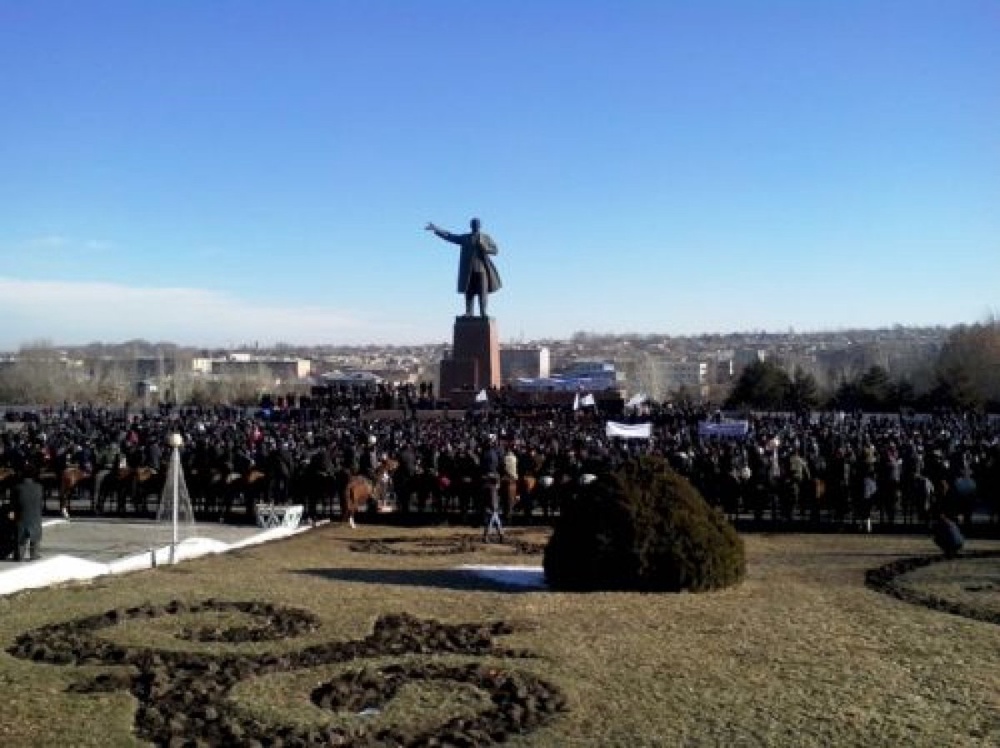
449 579
858 554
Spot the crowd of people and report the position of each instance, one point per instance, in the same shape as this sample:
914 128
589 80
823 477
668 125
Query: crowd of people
820 467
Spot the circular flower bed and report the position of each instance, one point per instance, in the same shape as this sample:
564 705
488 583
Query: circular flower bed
520 701
184 697
445 546
276 623
888 580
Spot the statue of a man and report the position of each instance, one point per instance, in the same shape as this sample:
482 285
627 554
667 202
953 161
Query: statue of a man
477 275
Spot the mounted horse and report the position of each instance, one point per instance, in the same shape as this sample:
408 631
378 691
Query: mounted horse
525 494
50 482
427 487
361 493
250 487
72 480
131 484
8 479
319 487
509 491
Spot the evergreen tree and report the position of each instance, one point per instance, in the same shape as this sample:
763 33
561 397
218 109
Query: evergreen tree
763 385
803 391
873 389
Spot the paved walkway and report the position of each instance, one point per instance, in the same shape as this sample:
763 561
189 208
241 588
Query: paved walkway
80 549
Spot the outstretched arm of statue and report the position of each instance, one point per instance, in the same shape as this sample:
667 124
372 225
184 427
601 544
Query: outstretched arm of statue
446 235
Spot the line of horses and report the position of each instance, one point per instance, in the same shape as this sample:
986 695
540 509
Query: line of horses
222 495
214 494
117 490
814 499
232 496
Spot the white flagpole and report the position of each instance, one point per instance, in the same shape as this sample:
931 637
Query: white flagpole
175 465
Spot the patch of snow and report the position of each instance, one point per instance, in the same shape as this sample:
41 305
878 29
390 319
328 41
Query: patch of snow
63 568
48 571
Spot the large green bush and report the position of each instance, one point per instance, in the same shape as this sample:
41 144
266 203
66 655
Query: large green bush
643 527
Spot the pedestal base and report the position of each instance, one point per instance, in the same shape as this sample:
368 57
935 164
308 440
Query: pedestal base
474 364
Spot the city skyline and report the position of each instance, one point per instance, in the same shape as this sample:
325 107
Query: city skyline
228 173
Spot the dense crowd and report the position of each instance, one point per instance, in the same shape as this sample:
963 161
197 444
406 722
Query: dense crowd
820 467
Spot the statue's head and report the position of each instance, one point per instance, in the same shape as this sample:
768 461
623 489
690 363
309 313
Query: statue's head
474 224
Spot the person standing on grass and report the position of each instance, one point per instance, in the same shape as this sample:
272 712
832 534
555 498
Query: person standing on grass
8 532
28 499
491 497
947 536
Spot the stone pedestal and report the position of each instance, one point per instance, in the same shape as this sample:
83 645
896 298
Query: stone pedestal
475 357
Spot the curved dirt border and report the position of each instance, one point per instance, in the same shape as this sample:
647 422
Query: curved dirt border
885 578
453 545
183 697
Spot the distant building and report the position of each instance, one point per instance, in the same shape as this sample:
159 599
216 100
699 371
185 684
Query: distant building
529 363
688 375
133 368
743 357
281 370
724 371
581 376
351 380
659 377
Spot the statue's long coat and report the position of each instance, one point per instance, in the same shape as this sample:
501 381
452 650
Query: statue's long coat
475 256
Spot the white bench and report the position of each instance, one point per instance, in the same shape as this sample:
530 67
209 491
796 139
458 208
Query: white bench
270 516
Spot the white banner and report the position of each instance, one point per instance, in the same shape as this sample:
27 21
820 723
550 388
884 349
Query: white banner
481 397
588 401
630 430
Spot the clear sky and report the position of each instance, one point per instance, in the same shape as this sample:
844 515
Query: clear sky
214 173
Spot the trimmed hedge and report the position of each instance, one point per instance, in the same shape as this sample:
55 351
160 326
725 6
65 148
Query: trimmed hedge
643 527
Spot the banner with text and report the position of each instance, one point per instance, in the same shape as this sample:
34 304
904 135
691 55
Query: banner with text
630 430
724 429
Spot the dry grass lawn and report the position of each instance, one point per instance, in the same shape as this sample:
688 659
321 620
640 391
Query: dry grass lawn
801 654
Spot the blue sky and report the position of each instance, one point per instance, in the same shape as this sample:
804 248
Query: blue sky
214 173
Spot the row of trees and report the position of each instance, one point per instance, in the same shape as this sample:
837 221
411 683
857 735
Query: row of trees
45 382
965 375
18 389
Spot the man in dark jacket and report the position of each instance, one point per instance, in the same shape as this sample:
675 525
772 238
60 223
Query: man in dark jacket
8 532
28 517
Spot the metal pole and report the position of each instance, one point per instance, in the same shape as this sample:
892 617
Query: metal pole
175 463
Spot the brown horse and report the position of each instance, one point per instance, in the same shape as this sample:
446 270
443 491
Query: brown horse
522 494
250 487
508 495
360 494
69 482
8 479
140 483
355 497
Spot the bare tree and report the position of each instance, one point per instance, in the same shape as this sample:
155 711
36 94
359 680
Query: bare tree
972 354
645 373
